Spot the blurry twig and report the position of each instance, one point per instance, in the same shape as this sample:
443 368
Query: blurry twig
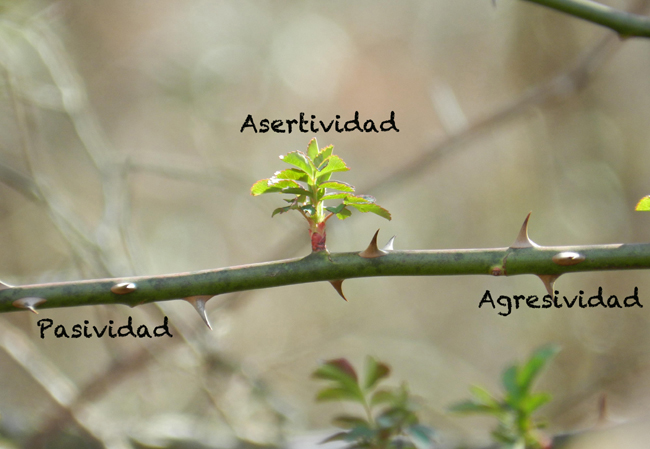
184 173
205 357
113 375
112 229
624 23
98 248
57 385
445 103
20 183
70 227
560 87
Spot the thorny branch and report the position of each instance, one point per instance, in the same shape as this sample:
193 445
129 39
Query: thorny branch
569 82
562 86
523 257
624 23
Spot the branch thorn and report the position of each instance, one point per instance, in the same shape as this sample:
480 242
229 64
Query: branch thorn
549 281
199 305
389 245
28 303
522 240
338 286
372 250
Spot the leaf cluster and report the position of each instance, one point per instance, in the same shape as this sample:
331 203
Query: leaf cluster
309 180
517 429
391 420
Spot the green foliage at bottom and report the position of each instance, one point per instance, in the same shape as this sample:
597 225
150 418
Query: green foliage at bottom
516 429
390 419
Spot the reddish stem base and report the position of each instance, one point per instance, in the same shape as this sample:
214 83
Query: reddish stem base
318 238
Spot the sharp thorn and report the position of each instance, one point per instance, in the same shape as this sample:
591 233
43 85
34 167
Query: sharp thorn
338 286
522 240
4 286
199 305
28 303
549 281
372 250
389 245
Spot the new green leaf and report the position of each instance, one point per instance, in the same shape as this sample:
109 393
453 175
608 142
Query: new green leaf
272 185
300 160
337 185
374 208
332 164
323 155
291 173
335 196
312 149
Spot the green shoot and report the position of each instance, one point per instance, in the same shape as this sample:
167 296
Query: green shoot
310 183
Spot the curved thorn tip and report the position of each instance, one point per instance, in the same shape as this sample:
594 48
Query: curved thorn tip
199 305
389 245
28 303
549 281
4 286
522 240
372 250
338 286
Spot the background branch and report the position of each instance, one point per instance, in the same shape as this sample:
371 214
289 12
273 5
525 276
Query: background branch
624 23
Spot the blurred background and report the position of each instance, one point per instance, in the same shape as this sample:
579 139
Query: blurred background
121 154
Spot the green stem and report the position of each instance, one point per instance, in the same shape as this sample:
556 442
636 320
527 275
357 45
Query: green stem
624 23
323 267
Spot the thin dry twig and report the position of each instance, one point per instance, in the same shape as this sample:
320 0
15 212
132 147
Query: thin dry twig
48 376
113 227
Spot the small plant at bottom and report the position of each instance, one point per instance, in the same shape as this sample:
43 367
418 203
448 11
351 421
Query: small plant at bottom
517 429
309 181
390 420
